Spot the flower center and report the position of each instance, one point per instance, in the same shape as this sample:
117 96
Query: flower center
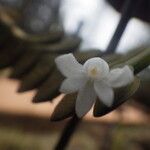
93 72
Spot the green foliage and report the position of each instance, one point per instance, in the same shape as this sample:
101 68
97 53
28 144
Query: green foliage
50 88
25 63
65 108
38 74
66 45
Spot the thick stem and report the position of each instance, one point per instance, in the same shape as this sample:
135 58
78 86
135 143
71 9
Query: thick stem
67 133
141 61
127 12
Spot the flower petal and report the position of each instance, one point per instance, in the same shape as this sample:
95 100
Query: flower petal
69 66
100 65
71 85
85 99
120 77
104 92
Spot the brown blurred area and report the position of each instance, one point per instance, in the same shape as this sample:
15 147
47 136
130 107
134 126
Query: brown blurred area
24 125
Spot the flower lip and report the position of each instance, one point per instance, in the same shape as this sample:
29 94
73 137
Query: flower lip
93 73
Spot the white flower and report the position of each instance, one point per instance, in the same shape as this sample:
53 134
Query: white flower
91 79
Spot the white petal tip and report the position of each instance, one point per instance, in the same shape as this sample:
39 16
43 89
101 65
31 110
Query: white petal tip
130 73
68 65
80 114
62 91
65 91
105 93
109 104
62 57
120 77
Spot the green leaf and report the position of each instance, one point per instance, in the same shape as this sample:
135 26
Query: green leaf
50 88
42 70
82 56
65 108
55 34
25 63
140 61
4 33
66 45
9 56
121 95
128 56
10 19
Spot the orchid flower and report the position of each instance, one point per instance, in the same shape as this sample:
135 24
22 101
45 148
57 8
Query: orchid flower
92 79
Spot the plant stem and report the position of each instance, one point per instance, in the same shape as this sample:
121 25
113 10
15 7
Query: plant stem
128 10
67 133
141 61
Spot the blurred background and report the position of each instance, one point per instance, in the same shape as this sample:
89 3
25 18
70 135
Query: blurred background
27 126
